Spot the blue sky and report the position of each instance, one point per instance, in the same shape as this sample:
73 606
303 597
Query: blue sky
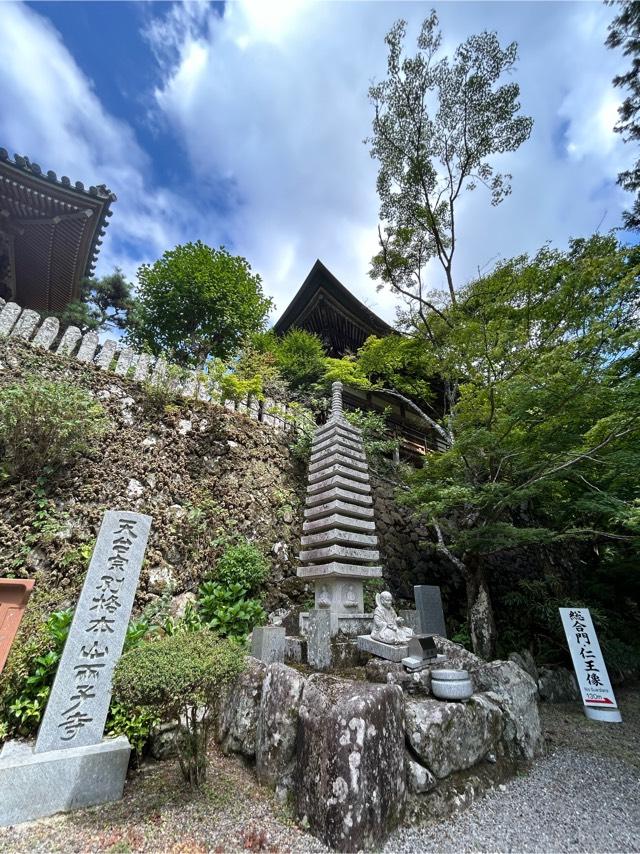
242 124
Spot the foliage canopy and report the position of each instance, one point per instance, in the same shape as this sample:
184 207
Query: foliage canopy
624 32
196 302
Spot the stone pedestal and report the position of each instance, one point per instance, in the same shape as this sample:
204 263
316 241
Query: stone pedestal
391 652
34 785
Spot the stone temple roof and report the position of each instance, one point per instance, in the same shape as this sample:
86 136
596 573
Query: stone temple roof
54 228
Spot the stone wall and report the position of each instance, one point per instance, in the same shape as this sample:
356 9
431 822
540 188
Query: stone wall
26 325
201 471
358 754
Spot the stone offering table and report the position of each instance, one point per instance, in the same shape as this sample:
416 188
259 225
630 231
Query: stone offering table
71 765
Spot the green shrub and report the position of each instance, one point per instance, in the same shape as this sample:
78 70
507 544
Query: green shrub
135 723
29 679
225 609
44 425
242 564
370 591
181 677
25 697
300 358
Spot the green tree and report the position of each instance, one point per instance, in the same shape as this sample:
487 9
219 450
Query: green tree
196 302
103 303
624 32
542 434
438 123
300 358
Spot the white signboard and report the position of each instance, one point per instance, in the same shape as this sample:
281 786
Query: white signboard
591 672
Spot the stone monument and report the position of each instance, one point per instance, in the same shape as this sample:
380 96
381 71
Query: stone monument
429 606
71 765
389 636
14 595
339 542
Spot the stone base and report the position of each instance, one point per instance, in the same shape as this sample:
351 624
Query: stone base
350 625
391 652
34 785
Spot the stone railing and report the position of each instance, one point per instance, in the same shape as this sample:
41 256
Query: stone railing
115 357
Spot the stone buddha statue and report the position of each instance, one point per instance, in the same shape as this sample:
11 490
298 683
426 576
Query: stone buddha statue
387 626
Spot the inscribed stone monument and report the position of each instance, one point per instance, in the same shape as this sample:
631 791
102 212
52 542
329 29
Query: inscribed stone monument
429 607
268 644
71 766
79 700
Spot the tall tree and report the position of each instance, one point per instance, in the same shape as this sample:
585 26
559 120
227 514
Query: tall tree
438 122
103 303
545 426
197 302
624 32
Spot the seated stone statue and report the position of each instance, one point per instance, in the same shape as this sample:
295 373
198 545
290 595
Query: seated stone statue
387 626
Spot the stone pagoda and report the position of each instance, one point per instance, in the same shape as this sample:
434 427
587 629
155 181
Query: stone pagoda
339 544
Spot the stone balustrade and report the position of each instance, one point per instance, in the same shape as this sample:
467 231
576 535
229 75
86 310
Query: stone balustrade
113 356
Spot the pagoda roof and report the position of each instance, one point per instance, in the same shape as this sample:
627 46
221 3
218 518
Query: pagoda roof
56 229
325 307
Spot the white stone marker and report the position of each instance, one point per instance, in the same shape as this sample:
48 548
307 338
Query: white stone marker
77 709
71 765
591 671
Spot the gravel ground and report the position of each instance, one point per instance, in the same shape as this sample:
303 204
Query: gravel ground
584 795
157 814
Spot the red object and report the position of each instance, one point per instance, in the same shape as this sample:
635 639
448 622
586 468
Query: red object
14 595
603 700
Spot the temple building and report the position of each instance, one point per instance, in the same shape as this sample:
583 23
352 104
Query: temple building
325 307
50 234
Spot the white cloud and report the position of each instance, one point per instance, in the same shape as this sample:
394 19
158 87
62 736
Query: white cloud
269 102
276 104
50 112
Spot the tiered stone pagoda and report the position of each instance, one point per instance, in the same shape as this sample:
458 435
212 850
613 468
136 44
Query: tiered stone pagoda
339 543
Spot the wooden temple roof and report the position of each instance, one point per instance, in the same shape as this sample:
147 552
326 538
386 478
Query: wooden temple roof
55 229
324 306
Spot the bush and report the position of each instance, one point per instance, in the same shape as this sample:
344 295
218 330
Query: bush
44 425
31 669
181 677
242 564
226 610
30 679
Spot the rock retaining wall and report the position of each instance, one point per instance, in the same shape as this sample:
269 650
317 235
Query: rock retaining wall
358 753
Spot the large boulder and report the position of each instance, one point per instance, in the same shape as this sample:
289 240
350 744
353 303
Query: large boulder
517 695
448 737
526 661
350 784
277 724
238 720
558 686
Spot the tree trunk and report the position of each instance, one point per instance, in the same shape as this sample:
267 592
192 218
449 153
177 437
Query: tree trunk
480 611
